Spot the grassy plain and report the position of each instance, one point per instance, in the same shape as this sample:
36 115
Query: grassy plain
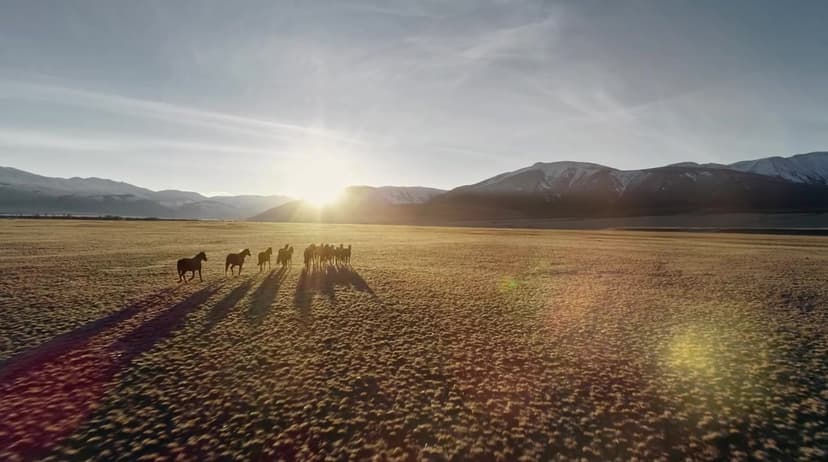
438 343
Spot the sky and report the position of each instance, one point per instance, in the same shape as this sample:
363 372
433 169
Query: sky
273 97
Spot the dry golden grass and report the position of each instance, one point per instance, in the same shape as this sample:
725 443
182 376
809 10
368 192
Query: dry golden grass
462 344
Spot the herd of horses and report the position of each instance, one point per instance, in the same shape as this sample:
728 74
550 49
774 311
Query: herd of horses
327 254
315 257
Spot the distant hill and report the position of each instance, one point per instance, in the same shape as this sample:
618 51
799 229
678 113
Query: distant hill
27 193
358 204
811 168
581 189
540 191
576 189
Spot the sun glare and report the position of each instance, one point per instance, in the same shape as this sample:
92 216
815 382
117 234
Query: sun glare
320 181
322 196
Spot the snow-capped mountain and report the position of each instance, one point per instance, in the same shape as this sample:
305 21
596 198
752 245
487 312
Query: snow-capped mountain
407 194
389 195
811 168
25 181
556 178
579 188
797 183
27 193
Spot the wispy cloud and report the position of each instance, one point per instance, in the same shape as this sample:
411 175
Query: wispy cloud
64 95
45 140
34 139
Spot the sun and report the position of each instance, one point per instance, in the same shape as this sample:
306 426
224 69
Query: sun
319 180
322 196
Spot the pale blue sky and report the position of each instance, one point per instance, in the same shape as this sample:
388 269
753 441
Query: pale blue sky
256 96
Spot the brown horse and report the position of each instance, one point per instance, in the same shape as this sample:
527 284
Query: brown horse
235 259
264 257
285 255
191 264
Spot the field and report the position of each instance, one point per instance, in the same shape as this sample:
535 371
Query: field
437 343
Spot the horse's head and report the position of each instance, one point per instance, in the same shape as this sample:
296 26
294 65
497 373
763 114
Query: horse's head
269 250
245 253
202 256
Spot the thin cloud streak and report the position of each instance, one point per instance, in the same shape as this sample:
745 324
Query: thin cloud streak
11 89
30 139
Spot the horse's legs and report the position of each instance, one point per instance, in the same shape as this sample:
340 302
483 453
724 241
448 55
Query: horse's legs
193 276
199 275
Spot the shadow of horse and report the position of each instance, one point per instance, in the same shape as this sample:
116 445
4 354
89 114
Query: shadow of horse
324 280
265 294
220 310
303 295
54 388
346 276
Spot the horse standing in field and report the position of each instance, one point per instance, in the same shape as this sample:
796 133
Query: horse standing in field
339 255
343 255
264 257
328 254
285 256
310 254
191 264
235 259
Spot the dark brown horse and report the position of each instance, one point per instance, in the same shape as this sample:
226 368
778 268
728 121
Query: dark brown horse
285 255
191 264
235 259
264 257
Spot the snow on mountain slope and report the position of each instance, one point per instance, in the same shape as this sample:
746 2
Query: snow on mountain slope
628 178
811 168
550 171
176 198
390 195
24 192
558 178
553 179
398 195
62 186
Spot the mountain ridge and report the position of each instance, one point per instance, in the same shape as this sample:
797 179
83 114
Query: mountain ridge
540 190
582 189
23 192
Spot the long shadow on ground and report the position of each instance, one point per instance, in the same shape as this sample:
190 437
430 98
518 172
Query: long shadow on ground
265 294
226 304
47 393
58 344
323 280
